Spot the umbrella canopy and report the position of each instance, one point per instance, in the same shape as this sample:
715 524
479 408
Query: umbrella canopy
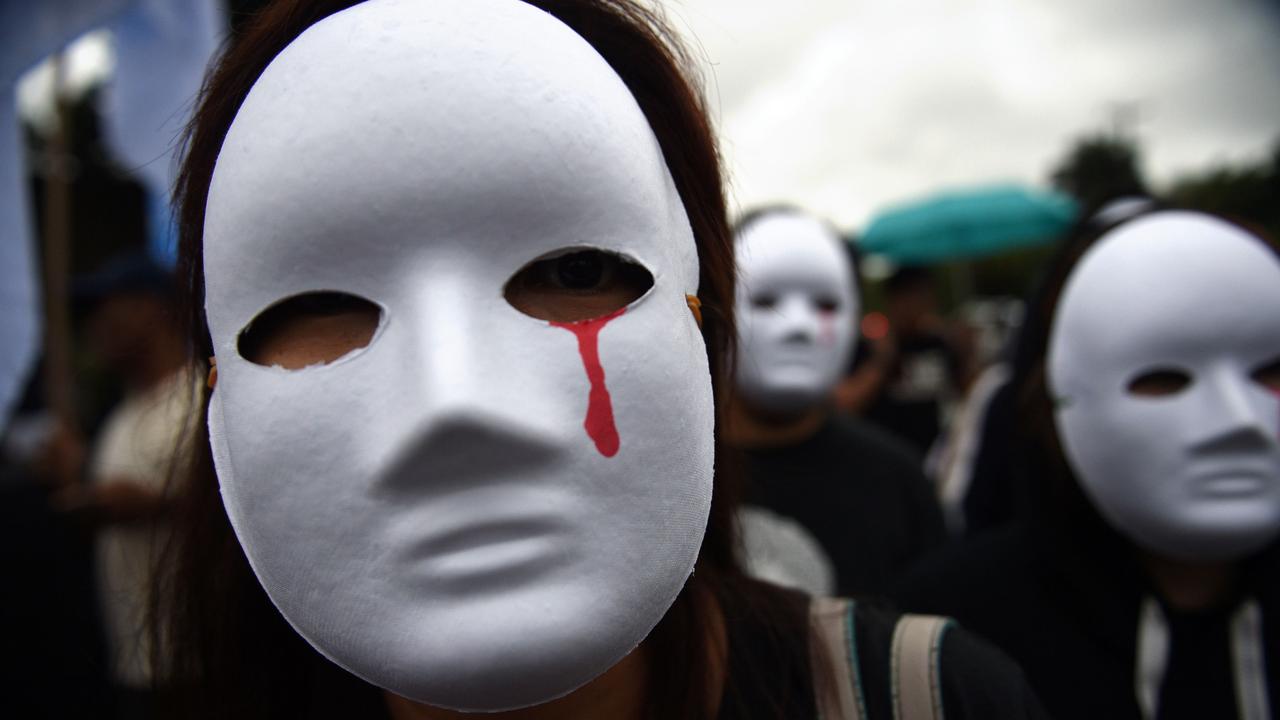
968 223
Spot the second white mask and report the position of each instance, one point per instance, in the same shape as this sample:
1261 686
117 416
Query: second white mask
796 312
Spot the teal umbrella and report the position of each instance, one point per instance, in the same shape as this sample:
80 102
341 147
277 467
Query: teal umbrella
968 223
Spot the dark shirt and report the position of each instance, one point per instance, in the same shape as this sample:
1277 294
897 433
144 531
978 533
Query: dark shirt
909 404
859 492
1069 616
997 493
53 639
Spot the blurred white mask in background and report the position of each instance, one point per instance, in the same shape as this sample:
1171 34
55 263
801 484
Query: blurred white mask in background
796 312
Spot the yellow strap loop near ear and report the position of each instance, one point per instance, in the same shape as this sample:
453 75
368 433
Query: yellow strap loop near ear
212 381
695 306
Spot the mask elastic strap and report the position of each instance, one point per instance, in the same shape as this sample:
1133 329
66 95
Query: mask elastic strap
212 380
695 307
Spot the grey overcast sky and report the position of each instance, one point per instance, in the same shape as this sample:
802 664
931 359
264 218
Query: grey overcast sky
844 106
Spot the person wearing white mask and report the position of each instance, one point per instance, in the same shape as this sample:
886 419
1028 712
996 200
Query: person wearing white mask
1145 585
860 493
464 278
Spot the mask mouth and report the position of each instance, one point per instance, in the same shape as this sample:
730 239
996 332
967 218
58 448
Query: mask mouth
1237 481
488 553
487 532
794 357
797 341
468 519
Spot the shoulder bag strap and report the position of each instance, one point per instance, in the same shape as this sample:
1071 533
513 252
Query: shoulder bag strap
837 684
913 670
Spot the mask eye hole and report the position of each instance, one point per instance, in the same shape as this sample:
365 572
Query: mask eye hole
764 301
826 305
577 285
310 329
1269 375
1160 382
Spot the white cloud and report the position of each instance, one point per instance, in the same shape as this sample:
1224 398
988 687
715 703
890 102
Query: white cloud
843 106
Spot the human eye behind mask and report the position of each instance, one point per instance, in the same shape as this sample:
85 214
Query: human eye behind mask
764 301
1268 375
1160 382
577 284
825 304
314 328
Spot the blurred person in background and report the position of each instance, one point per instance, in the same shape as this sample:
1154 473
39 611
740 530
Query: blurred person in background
419 240
131 329
913 370
859 491
1143 582
51 620
985 486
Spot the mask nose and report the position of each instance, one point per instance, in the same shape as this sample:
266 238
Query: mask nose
1231 418
462 381
799 323
458 451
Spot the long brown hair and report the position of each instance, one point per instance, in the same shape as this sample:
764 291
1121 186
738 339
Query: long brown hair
227 652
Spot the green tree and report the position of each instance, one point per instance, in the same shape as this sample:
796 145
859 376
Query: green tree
1099 168
1248 191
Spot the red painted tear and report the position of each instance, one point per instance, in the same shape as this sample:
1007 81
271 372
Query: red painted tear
826 327
1277 394
599 423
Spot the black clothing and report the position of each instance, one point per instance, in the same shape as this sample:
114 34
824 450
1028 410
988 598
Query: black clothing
996 495
978 681
55 657
1069 614
770 676
1066 595
860 493
909 404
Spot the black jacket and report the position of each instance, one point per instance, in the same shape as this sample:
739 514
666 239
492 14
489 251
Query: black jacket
1066 602
860 492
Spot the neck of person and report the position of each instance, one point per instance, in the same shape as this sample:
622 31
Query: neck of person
749 427
619 693
1192 586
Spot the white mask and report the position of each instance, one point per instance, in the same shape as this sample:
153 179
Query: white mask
796 311
431 512
1191 473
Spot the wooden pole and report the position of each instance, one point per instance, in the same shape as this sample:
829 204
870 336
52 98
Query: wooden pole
59 379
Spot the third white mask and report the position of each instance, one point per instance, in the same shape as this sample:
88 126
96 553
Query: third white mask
1158 358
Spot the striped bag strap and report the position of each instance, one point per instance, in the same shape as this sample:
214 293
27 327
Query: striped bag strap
837 683
914 671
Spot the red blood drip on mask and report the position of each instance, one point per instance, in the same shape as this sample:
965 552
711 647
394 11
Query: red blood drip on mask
826 327
1276 392
599 423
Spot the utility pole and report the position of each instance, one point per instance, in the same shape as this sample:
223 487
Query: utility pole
59 384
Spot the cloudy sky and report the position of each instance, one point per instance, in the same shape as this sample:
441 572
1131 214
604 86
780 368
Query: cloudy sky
844 106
